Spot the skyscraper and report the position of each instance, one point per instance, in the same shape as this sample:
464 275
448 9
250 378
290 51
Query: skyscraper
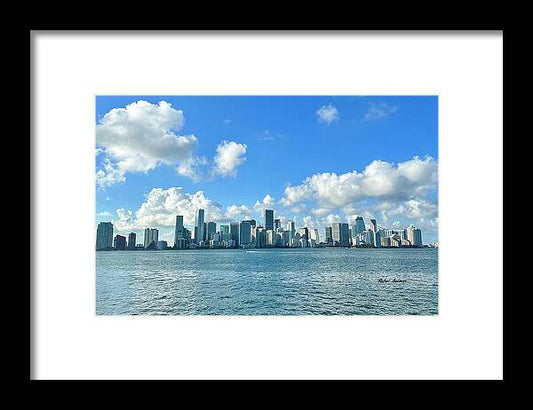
269 219
375 233
277 224
290 226
245 233
211 230
336 233
132 239
224 232
329 236
234 232
151 236
359 225
340 233
178 230
345 234
414 235
199 226
119 243
104 235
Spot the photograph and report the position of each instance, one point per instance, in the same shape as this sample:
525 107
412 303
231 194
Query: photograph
266 205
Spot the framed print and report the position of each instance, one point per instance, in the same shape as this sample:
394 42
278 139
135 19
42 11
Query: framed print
267 205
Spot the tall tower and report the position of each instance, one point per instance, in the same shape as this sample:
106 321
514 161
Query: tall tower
199 224
269 219
375 233
104 235
132 238
178 230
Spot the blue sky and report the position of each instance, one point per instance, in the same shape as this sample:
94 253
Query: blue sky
267 145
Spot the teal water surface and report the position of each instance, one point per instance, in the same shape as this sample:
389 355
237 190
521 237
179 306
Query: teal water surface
313 281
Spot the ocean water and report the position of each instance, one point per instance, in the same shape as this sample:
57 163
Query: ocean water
319 281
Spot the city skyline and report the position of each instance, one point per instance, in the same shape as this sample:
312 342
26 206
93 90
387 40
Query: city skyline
316 161
269 234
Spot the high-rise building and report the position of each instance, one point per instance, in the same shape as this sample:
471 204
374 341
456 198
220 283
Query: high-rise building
234 232
104 235
414 236
277 224
245 233
268 219
224 232
270 237
199 226
151 236
132 239
329 236
261 237
211 230
336 233
359 225
119 243
345 234
290 226
178 231
315 235
377 237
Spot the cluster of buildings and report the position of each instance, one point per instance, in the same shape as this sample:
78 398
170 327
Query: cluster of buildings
250 234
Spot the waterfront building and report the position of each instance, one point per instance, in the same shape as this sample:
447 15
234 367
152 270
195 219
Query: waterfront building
199 226
340 234
414 235
315 235
279 238
268 219
211 230
179 233
417 238
304 234
345 234
245 233
277 224
385 242
132 239
161 245
234 232
119 243
376 240
270 238
291 227
151 236
224 232
261 239
104 235
329 236
359 225
336 233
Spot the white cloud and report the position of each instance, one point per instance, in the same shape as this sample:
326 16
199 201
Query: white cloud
227 121
105 213
331 219
140 137
327 114
267 203
161 206
298 209
320 211
379 179
229 156
193 168
412 209
378 111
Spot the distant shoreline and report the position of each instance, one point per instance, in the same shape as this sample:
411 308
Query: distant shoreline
264 249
